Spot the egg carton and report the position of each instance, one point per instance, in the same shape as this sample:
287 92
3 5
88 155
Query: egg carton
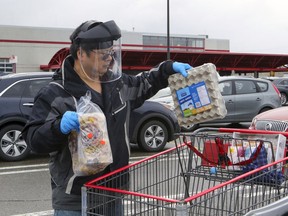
197 98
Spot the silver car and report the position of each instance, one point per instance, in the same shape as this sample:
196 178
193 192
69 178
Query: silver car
245 97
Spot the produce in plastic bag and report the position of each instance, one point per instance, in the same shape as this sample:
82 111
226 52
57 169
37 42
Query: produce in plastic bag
90 148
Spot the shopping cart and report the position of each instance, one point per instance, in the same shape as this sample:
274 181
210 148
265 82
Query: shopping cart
190 179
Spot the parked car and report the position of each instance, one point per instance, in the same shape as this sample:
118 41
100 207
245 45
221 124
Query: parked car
282 86
272 120
2 73
271 78
244 98
163 96
151 126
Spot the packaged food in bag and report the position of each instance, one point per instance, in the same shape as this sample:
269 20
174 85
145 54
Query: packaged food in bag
90 147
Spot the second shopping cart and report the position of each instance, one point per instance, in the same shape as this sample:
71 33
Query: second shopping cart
209 172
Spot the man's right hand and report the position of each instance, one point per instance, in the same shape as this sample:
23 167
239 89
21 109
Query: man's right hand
69 122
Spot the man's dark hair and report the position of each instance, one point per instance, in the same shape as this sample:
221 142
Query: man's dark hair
75 45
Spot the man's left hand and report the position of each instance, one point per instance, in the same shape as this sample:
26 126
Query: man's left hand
179 67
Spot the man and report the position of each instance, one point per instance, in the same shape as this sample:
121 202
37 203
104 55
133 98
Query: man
94 65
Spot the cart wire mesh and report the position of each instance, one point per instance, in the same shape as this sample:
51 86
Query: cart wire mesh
180 182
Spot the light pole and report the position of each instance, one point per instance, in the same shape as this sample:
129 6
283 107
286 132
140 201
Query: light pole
168 31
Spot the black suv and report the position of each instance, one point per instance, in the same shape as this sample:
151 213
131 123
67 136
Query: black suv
151 126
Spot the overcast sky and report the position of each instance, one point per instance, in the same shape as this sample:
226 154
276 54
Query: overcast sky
258 26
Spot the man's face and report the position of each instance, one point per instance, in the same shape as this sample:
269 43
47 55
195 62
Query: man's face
97 63
103 60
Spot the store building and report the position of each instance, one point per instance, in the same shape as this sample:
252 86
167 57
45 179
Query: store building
24 49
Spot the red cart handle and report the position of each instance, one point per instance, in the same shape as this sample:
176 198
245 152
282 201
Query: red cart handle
250 131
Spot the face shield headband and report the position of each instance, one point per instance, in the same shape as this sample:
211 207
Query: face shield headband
102 32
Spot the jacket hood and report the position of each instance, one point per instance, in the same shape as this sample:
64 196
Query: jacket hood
70 79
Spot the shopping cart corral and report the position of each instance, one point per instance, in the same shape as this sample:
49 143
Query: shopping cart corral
199 176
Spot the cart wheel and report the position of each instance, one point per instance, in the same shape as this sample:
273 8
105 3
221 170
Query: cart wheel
153 136
12 145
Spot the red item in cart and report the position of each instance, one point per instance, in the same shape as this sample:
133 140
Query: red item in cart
211 153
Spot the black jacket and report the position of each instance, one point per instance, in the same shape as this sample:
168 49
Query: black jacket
118 98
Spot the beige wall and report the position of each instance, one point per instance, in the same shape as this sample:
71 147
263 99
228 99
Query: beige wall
217 44
36 46
31 54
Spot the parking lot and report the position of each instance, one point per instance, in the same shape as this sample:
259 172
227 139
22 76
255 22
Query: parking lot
25 185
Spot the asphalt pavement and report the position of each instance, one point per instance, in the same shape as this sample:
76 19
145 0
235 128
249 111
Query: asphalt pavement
25 185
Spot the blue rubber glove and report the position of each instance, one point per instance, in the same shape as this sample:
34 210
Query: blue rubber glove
69 122
179 67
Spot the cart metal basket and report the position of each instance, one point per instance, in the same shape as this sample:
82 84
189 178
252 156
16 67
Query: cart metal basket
188 180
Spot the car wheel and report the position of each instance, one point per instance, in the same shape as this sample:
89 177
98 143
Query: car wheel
153 136
12 145
283 98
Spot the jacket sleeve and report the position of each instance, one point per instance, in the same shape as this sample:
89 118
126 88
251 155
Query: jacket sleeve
42 132
148 83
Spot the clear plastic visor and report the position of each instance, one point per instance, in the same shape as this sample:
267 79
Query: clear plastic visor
102 64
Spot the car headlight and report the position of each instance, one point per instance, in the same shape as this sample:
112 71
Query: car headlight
253 124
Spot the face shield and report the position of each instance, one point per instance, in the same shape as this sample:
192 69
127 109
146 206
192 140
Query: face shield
100 51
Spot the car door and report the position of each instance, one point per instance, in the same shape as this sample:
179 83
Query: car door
226 89
30 91
247 100
10 100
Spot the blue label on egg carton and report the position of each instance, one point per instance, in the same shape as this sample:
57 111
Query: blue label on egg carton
194 99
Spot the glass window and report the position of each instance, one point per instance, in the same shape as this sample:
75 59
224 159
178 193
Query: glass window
154 40
284 82
174 41
199 43
262 86
178 41
225 88
6 67
16 90
34 87
245 87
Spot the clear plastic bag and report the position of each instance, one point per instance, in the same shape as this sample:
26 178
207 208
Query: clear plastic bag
90 148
